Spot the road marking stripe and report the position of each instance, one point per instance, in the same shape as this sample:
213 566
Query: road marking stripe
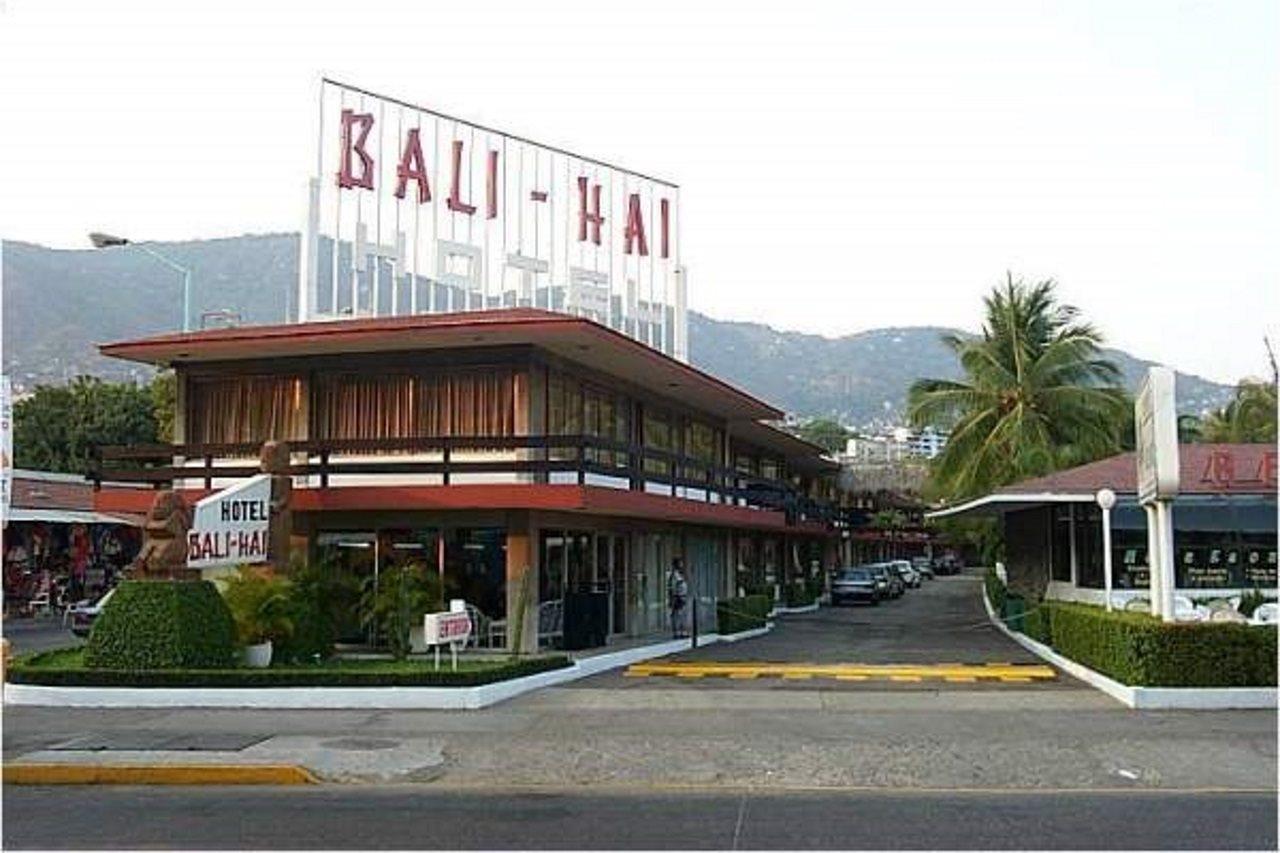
960 673
156 774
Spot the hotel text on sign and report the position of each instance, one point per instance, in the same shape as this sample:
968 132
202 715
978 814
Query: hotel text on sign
412 211
232 527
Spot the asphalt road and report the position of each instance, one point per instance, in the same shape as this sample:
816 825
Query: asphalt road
416 818
941 622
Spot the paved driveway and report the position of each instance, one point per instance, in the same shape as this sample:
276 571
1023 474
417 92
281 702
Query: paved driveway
942 622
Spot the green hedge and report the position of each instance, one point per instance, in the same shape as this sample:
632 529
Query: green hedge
1140 650
801 594
742 614
51 670
163 625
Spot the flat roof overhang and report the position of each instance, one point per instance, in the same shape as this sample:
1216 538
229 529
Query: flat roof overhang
572 338
1001 503
589 500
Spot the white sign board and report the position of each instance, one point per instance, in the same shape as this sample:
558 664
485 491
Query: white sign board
1155 420
447 627
232 527
6 447
412 211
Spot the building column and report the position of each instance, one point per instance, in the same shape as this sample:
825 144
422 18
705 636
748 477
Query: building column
522 584
1071 531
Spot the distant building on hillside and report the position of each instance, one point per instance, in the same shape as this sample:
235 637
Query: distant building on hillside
894 445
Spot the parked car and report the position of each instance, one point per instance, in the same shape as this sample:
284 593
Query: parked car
948 564
856 584
909 577
923 567
892 581
82 617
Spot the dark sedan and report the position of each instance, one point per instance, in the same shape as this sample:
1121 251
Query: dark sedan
855 585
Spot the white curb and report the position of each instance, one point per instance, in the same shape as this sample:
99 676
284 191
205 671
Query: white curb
1145 698
392 698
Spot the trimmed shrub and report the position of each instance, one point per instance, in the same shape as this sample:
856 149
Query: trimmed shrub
996 592
49 671
1037 623
800 594
1140 650
734 615
163 625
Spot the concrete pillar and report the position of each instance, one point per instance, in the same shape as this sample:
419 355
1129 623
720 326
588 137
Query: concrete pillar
522 585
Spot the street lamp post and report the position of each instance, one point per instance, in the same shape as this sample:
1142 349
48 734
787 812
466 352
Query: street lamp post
106 241
1106 500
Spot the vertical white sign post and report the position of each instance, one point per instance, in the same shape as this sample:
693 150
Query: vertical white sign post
1156 425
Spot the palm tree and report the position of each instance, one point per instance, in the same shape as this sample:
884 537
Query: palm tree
1249 418
1037 395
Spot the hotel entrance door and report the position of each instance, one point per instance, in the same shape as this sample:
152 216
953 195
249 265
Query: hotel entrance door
611 575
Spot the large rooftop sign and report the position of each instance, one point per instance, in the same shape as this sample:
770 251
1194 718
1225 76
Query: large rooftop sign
413 211
1156 426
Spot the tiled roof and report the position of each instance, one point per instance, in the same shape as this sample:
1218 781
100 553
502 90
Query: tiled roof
35 490
1204 469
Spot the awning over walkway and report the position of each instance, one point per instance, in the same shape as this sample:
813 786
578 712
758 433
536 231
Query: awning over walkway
69 516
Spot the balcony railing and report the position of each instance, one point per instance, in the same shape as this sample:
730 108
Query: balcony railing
581 459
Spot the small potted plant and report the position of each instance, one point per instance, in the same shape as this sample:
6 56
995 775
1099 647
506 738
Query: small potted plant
259 604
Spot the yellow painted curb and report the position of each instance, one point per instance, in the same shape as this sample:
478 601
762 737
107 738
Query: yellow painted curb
156 774
964 673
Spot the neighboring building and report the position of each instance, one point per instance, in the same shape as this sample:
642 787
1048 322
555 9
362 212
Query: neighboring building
57 547
894 445
1224 526
510 449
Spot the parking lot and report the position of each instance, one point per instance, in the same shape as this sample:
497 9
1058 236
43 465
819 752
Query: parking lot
940 624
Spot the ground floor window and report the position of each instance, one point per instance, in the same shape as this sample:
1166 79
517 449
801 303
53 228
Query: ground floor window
469 563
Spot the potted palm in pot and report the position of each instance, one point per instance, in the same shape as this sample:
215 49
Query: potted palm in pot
260 605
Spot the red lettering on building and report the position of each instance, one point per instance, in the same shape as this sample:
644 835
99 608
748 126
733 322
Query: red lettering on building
413 167
1219 468
455 202
664 215
491 186
354 144
590 216
634 232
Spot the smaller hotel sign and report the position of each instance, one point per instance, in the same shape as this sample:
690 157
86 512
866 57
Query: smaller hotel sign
1156 425
232 527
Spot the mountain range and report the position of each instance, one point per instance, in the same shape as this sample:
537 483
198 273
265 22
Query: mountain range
59 303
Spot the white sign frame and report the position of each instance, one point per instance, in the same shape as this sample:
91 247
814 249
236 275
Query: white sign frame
1155 423
232 526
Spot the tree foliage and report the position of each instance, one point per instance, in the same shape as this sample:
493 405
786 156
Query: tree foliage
827 433
1249 418
56 428
1037 395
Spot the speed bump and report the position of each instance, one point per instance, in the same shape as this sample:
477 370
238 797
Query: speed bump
1009 673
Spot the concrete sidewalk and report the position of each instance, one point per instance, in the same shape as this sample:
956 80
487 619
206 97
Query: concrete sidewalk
947 738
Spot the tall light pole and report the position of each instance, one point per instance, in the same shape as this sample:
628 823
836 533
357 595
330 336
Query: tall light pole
106 241
1106 500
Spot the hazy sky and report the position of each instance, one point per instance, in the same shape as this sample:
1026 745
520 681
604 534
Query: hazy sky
842 165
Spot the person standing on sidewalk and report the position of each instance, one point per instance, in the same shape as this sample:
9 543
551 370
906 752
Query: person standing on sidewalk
677 597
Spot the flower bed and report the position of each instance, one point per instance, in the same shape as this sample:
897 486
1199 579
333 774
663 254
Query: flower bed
66 668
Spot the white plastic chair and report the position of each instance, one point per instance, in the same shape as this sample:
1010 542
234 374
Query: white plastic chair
1226 614
551 620
1266 614
1186 610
